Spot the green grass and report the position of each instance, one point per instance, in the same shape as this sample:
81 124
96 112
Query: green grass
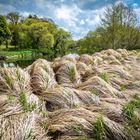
4 47
10 98
91 62
45 126
77 128
16 53
98 129
131 106
8 80
123 87
25 105
104 76
72 74
94 92
128 112
23 101
137 50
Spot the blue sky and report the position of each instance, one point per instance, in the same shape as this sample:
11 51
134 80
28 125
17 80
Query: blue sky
75 16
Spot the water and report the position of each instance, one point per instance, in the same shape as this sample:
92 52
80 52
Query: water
25 62
20 63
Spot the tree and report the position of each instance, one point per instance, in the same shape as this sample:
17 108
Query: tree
13 17
120 25
46 44
4 31
14 34
60 37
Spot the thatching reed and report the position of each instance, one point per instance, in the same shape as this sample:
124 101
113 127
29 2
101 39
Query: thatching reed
18 106
74 98
67 75
42 76
99 87
79 123
68 98
14 80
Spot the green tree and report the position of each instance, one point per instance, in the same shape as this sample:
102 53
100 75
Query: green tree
120 26
43 35
60 40
14 34
46 44
4 31
13 17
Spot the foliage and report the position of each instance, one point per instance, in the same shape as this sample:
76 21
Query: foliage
98 129
4 30
129 108
13 17
72 74
14 34
23 100
104 76
133 124
25 105
36 33
118 29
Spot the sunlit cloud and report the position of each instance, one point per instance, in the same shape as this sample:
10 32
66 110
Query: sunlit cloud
75 16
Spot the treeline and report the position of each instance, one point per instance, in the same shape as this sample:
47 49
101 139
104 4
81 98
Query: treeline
118 29
35 33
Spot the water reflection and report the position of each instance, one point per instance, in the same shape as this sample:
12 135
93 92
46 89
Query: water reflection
20 63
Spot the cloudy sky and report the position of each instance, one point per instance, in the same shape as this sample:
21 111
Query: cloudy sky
75 16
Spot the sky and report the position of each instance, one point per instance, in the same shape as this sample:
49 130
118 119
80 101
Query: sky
76 16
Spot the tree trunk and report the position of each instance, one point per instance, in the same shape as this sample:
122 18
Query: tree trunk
6 43
54 48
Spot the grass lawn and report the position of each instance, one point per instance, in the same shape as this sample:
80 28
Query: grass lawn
4 47
12 53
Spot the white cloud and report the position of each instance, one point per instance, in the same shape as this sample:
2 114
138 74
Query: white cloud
25 14
135 5
67 14
137 11
94 17
82 22
78 21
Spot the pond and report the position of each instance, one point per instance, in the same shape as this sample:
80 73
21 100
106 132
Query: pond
26 61
23 63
